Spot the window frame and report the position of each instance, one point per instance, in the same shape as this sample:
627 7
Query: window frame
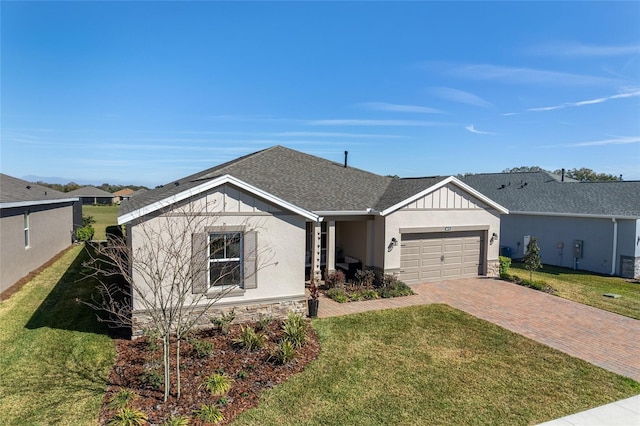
27 229
239 260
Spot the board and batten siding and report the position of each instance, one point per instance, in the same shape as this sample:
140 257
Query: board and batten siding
448 197
280 238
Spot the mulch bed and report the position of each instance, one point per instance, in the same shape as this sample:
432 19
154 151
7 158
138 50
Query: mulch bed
252 373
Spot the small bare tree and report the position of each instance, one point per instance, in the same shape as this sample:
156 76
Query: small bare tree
172 269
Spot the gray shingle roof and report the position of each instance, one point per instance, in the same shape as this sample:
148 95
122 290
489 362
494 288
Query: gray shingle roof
312 183
13 190
90 191
401 189
541 192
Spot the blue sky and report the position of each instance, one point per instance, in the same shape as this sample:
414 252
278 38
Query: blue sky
145 93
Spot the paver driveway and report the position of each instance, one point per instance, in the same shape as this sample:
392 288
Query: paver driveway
608 340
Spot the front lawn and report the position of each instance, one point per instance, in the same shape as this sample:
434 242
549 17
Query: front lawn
588 288
433 365
54 358
104 216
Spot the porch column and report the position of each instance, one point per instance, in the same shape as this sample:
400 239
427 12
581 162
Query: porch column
316 235
331 246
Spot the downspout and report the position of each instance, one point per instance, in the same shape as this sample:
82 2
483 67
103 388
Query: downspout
615 246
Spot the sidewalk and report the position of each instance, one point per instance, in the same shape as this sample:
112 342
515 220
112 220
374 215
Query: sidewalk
620 413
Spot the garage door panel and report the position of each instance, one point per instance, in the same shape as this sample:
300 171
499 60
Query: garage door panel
432 257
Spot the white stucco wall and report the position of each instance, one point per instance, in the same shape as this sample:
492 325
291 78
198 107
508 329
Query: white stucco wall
280 239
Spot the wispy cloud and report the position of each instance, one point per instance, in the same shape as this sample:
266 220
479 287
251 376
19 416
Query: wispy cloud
385 106
515 75
472 129
509 114
338 135
579 49
630 94
460 96
364 122
621 140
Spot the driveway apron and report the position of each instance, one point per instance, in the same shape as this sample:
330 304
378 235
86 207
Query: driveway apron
608 340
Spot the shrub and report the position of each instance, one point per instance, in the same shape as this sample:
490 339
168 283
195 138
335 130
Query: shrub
208 413
88 220
202 348
505 264
217 384
85 233
222 401
295 330
364 278
264 321
335 279
151 379
122 399
251 340
128 417
242 375
177 421
284 352
369 294
223 322
355 296
338 294
392 287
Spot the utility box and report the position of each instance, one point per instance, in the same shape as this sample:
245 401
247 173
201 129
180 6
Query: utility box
578 246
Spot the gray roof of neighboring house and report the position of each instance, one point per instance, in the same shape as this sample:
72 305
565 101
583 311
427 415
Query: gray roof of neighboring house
90 191
312 183
14 190
542 192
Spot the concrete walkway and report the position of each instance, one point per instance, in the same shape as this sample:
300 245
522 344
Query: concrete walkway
620 413
602 338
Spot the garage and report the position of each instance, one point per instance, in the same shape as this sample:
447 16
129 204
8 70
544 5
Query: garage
439 256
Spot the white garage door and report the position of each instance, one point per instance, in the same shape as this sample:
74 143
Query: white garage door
440 256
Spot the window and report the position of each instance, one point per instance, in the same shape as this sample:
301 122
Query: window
27 238
225 259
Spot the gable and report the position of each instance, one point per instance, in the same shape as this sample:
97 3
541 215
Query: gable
447 194
448 197
227 199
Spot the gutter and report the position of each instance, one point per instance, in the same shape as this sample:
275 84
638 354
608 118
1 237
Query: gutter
584 215
36 203
615 246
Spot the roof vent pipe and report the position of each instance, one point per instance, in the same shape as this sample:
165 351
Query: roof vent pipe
562 175
346 153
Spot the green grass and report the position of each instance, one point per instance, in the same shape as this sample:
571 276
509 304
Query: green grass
433 365
104 216
55 358
588 288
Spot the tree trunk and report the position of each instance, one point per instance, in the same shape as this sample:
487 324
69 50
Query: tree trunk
166 358
178 367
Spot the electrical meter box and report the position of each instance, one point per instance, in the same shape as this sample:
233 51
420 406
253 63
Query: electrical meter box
577 248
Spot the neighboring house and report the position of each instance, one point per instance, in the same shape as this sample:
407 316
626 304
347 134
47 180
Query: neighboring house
92 195
36 223
123 194
314 215
601 218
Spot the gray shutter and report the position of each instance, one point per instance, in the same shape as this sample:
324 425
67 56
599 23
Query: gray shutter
250 260
199 262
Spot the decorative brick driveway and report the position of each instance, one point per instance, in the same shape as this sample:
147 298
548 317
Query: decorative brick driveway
602 338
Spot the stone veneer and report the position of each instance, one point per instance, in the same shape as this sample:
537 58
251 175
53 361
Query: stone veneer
493 268
630 267
245 313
